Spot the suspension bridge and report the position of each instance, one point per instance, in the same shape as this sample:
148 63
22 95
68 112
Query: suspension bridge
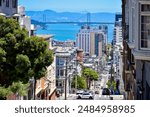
77 22
87 17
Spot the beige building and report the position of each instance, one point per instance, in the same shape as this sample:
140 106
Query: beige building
45 86
92 38
96 45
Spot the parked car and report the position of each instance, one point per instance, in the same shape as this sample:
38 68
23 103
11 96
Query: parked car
86 95
106 91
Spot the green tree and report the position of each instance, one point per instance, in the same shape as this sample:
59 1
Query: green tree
90 75
21 57
4 92
111 85
19 88
80 82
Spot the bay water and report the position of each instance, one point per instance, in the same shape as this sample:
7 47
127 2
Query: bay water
63 32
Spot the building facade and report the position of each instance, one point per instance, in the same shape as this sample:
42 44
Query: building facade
117 39
136 35
92 40
25 21
8 8
83 39
46 86
66 68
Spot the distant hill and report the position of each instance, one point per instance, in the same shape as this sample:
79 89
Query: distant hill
49 15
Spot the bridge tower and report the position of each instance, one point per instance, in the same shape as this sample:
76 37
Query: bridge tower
44 17
88 18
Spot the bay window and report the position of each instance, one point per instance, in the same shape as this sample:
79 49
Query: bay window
145 26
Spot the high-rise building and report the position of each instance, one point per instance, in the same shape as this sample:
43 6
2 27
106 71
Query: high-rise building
92 40
96 45
83 39
104 29
117 39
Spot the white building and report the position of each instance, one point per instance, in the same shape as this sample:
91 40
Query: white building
92 40
25 21
117 39
83 39
118 35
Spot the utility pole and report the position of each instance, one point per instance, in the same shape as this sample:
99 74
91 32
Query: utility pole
66 81
111 72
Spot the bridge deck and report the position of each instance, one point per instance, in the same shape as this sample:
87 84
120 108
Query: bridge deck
78 23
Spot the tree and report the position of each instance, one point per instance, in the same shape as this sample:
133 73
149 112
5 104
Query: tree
108 49
4 92
81 82
111 85
21 57
19 89
90 75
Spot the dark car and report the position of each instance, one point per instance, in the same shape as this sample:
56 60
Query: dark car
106 91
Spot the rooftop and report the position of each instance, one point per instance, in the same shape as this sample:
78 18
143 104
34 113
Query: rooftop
46 37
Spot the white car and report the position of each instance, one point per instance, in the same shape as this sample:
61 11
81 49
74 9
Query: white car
86 95
79 92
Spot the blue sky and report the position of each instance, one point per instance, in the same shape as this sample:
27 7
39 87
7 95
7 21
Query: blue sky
73 5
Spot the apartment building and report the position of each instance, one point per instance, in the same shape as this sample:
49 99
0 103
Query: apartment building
65 68
104 29
136 54
92 40
46 86
8 8
83 39
25 21
117 39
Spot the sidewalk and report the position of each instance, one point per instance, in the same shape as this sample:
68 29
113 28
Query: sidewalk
63 96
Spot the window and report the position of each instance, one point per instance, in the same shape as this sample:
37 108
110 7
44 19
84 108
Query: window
145 26
61 72
7 3
0 2
14 3
57 73
145 7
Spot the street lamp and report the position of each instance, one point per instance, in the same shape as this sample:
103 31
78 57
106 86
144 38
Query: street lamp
76 86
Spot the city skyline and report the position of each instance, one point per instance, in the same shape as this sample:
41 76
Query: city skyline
73 6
